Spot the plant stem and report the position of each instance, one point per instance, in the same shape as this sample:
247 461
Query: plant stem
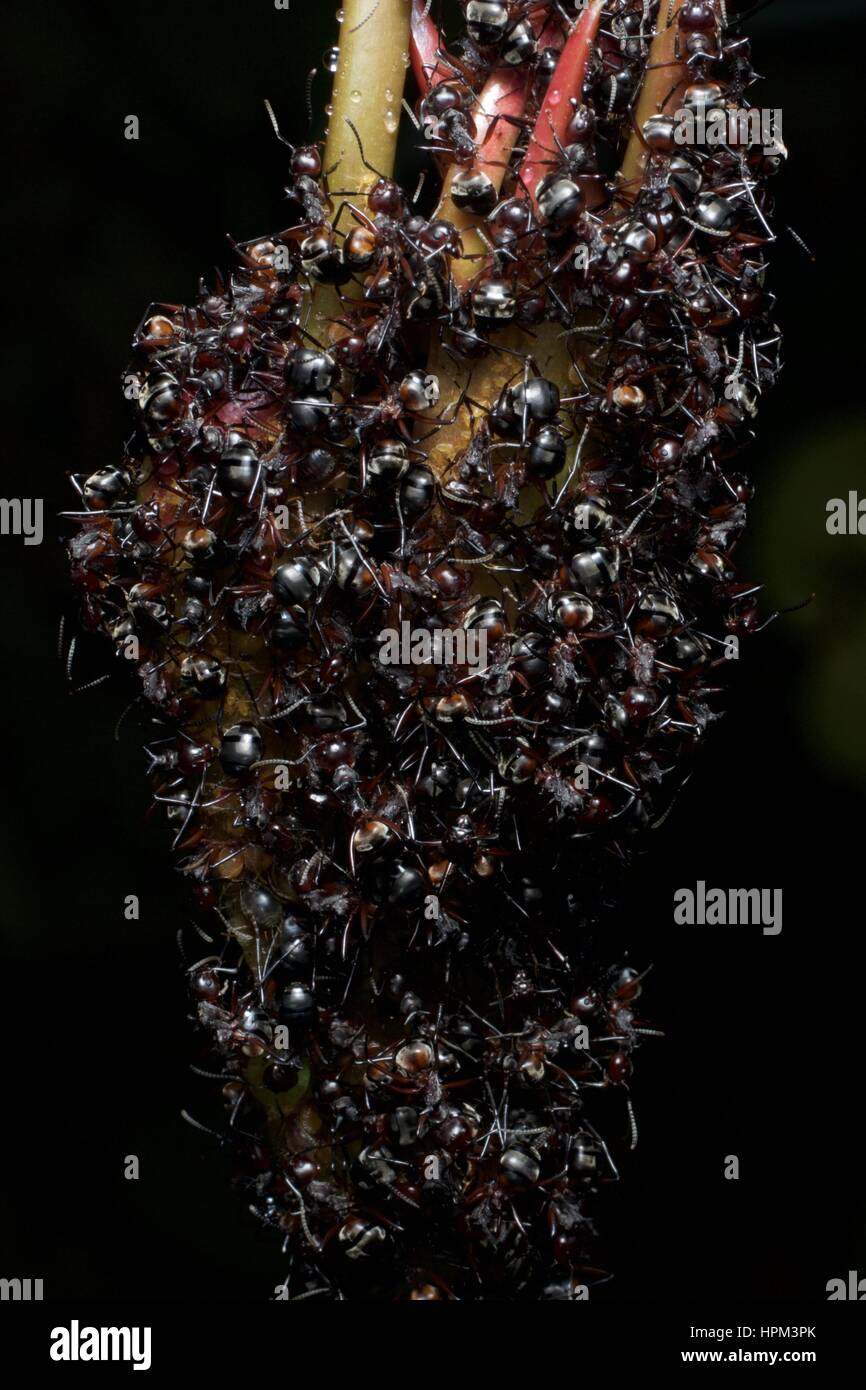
368 90
497 116
426 45
664 83
548 347
500 106
556 110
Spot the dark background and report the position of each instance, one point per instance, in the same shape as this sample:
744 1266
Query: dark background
764 1050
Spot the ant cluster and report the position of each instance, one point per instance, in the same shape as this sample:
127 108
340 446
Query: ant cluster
401 863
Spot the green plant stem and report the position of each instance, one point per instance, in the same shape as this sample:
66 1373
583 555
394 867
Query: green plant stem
367 92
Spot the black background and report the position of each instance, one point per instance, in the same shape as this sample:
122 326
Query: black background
764 1050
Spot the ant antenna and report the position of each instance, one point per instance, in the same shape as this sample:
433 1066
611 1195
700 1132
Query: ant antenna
362 22
354 131
632 1123
410 113
800 242
204 1128
309 98
279 134
780 612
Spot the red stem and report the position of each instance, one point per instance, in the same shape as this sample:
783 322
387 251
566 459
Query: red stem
503 94
424 46
548 31
556 109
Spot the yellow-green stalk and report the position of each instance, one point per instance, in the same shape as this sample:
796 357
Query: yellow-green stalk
368 91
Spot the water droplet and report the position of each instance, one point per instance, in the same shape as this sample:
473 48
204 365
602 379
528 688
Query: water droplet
391 122
341 15
405 59
331 58
389 96
329 110
554 97
355 96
